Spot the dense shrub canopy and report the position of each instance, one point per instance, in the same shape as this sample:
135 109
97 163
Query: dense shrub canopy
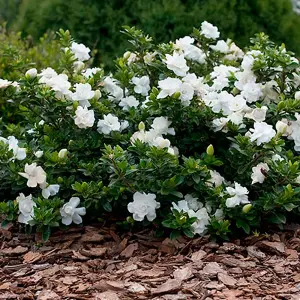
192 136
97 23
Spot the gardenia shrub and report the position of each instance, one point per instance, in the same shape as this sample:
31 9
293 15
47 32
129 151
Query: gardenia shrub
191 137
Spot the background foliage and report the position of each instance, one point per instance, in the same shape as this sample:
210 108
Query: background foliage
97 23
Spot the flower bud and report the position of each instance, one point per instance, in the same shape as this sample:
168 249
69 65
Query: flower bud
70 142
97 95
247 208
176 95
31 73
39 154
281 105
130 220
127 54
297 95
281 127
46 139
62 153
78 66
75 104
141 126
60 180
210 150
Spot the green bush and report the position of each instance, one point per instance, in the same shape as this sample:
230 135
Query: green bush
181 137
97 23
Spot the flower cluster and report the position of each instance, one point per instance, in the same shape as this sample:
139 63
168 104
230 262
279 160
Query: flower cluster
196 136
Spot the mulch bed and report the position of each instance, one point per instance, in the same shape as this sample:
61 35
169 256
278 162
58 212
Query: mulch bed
96 263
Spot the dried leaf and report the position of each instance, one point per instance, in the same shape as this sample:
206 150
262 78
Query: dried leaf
171 285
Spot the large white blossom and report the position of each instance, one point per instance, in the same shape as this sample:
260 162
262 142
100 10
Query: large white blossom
71 213
258 173
83 93
115 93
108 124
35 175
84 118
239 195
221 46
257 114
13 145
209 31
60 85
161 126
49 190
81 52
143 205
261 133
26 208
142 85
215 179
128 102
90 72
177 64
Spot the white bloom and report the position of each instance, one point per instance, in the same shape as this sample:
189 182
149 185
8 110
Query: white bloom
234 52
220 124
142 85
4 83
237 103
215 180
168 87
192 202
83 94
143 205
149 57
71 213
111 87
221 46
239 195
31 73
78 66
177 64
90 72
60 84
257 173
209 31
50 190
130 57
81 52
62 153
262 133
199 226
181 206
186 93
297 95
277 157
35 175
257 114
129 102
47 74
26 208
124 125
108 124
269 92
12 142
161 126
282 127
251 92
38 154
84 118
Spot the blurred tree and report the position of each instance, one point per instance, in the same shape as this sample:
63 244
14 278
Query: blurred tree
97 23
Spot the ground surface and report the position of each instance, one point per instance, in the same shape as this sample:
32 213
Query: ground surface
94 263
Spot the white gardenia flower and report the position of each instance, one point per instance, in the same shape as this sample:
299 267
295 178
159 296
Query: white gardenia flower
199 226
26 208
83 93
84 118
239 195
49 190
161 126
129 102
168 87
234 52
221 46
186 93
192 202
177 64
181 206
38 154
115 93
71 213
209 31
220 124
47 74
108 124
262 133
90 72
297 95
63 153
252 92
4 83
215 180
282 126
143 205
257 173
81 52
12 142
257 114
142 85
35 175
277 157
31 73
60 84
237 103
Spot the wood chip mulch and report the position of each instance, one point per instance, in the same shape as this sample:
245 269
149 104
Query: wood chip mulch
96 263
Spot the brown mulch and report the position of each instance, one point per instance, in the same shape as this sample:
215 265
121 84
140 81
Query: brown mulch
96 263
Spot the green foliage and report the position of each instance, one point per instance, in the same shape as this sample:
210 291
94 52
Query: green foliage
98 24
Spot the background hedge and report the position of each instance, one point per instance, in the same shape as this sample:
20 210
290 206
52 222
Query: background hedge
97 23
